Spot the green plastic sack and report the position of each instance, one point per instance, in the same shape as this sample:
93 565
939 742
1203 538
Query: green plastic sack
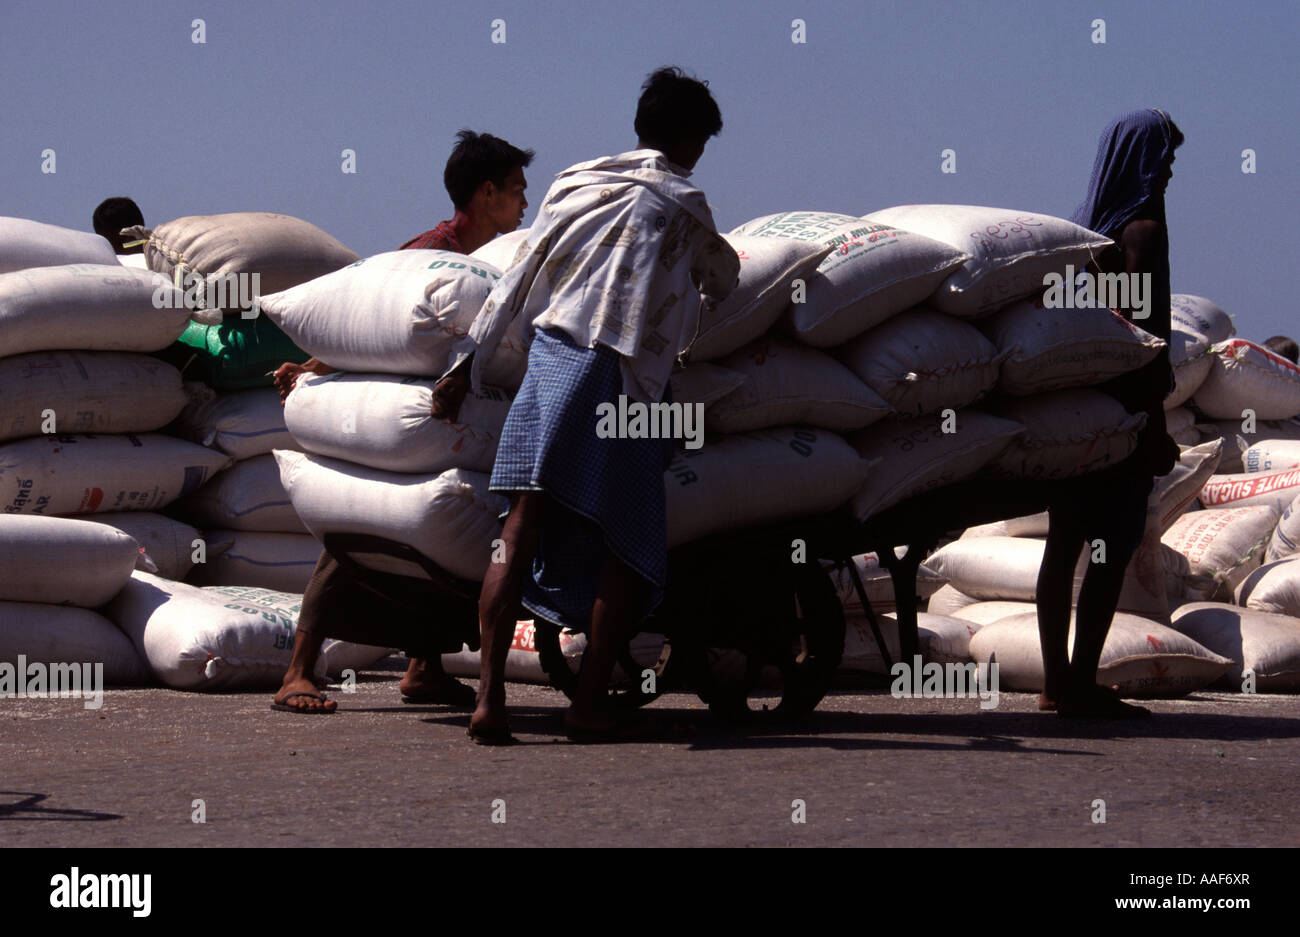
238 354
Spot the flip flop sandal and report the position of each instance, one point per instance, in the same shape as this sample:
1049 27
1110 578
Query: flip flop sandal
284 708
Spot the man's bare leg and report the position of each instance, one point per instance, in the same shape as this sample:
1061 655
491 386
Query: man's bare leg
426 681
498 607
1098 599
1054 592
298 678
610 624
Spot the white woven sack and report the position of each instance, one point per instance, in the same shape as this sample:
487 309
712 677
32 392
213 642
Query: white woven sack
1274 587
1245 376
917 455
786 384
768 475
768 268
169 544
991 568
703 382
922 361
384 421
282 250
1010 251
878 584
1007 568
1197 314
1266 644
88 307
873 272
948 600
500 252
86 392
1145 659
220 637
25 244
1177 490
1215 550
800 225
1275 489
397 313
1067 433
1272 455
88 474
246 496
451 518
241 424
1052 349
1180 424
60 561
992 610
1286 536
280 561
63 634
1191 358
940 640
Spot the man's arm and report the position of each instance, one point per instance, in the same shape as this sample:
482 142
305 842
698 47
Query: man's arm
449 393
286 375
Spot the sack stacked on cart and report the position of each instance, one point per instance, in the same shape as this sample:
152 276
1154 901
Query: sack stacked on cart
251 535
57 572
224 264
375 461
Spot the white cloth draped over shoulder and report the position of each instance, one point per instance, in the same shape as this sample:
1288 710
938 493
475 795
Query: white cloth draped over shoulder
620 251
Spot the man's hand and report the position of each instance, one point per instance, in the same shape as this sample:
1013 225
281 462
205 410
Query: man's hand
286 375
448 394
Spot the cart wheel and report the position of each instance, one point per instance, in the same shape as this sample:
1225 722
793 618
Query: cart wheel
806 646
555 665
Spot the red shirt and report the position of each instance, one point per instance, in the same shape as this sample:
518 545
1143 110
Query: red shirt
441 238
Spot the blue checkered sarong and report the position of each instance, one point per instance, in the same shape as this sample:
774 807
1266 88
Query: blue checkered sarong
606 495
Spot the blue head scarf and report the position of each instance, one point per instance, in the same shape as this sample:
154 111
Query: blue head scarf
1128 169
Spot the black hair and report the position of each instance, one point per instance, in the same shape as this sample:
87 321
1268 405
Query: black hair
114 214
1281 345
674 109
479 158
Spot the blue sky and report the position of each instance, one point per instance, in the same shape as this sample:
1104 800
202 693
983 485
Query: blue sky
853 120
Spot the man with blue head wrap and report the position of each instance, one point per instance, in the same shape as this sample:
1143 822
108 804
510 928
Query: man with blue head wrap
1125 202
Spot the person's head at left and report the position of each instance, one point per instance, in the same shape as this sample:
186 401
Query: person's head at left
1284 346
114 214
1135 159
485 178
676 115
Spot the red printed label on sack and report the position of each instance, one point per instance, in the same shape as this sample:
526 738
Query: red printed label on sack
1237 489
525 632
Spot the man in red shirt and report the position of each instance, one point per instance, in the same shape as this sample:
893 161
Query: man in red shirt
485 179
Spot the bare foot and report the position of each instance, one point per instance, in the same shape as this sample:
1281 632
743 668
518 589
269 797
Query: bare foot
422 684
488 726
305 697
1046 703
1099 702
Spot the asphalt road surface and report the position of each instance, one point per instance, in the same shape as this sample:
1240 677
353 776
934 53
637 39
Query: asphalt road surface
865 770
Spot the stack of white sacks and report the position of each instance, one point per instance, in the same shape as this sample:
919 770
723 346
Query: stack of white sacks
253 536
82 401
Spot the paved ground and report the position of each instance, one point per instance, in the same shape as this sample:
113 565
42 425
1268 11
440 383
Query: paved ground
1211 770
